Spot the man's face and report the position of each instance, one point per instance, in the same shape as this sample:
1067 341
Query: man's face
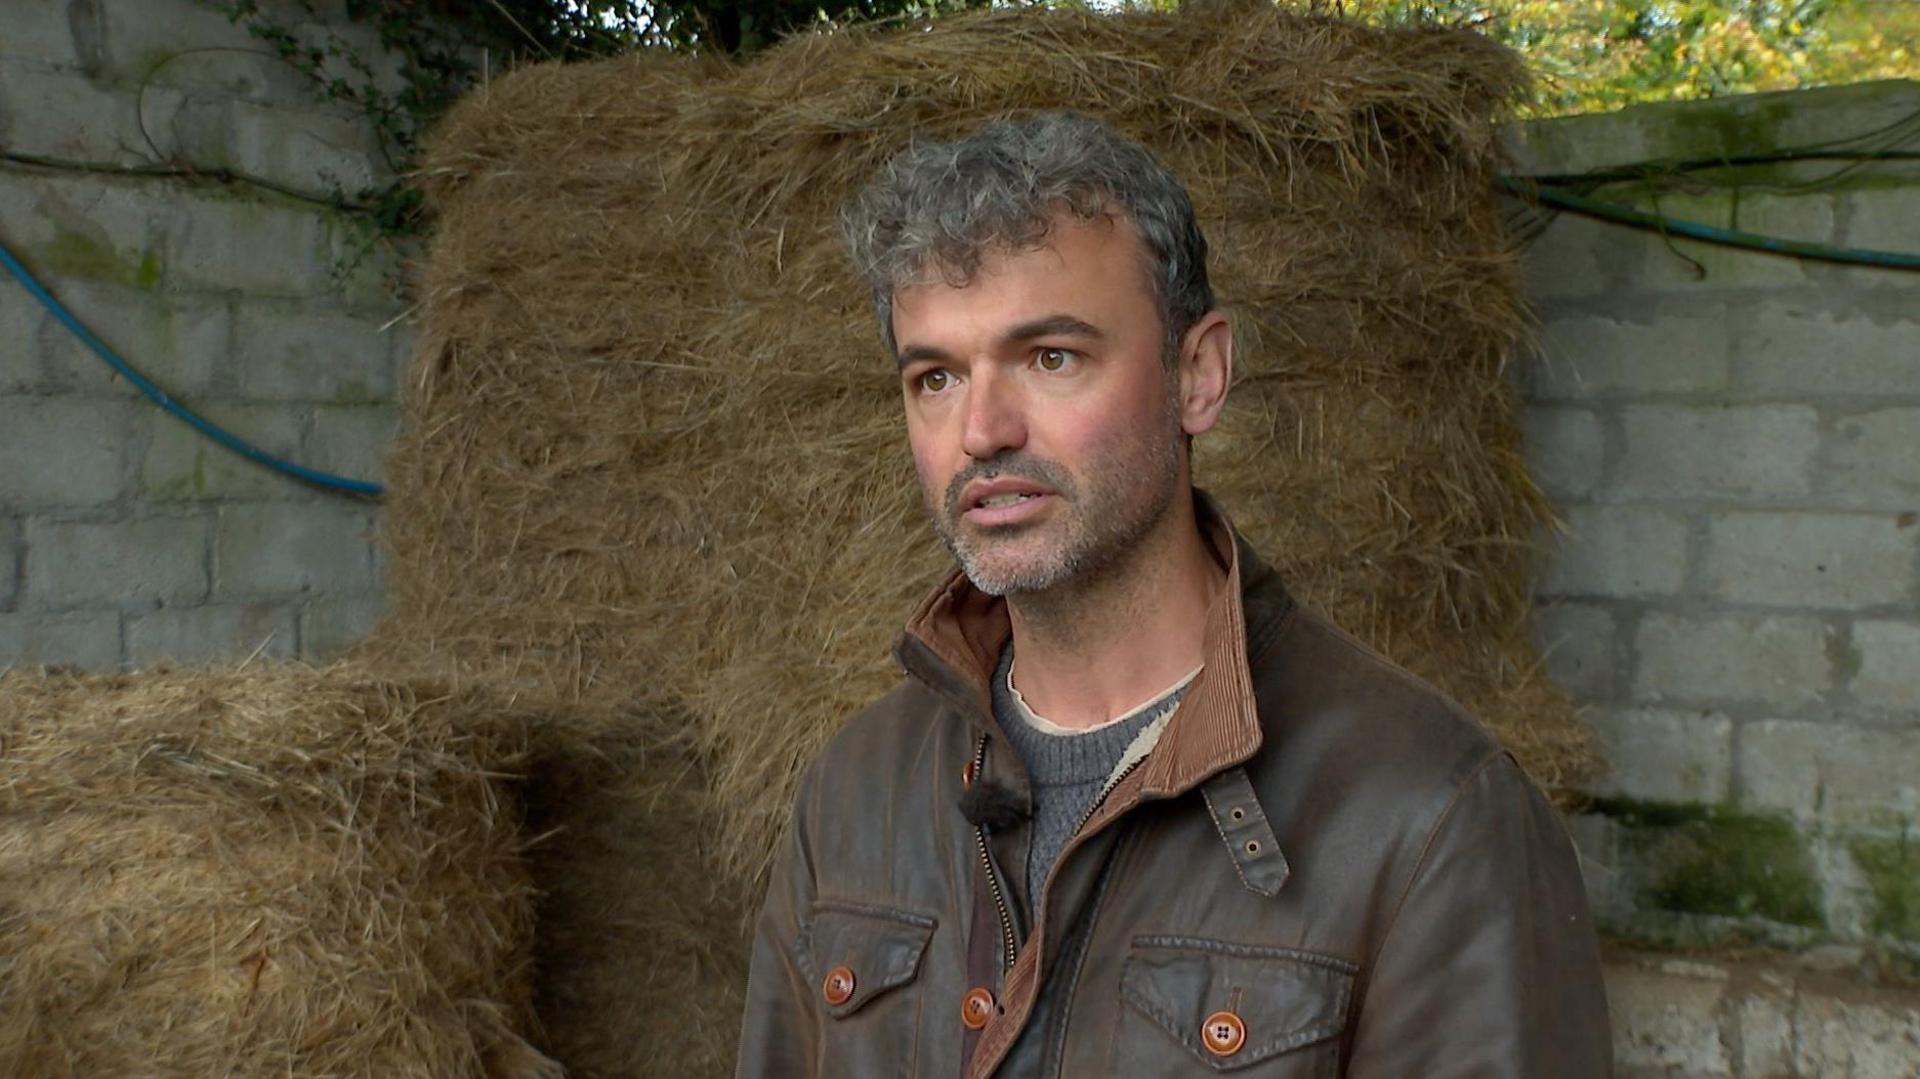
1043 423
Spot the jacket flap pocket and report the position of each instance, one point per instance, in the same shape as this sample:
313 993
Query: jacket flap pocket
1278 999
857 953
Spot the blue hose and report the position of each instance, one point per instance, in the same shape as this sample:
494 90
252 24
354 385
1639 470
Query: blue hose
158 396
1693 230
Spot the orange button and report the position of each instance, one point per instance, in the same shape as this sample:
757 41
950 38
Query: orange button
838 986
976 1008
968 773
1224 1034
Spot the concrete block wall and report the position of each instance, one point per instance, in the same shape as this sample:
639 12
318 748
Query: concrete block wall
1681 1017
126 538
1733 442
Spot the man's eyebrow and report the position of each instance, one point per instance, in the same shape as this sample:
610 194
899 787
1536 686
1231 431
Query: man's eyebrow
1049 326
916 353
1052 326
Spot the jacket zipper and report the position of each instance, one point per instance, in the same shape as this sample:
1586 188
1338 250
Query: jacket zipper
1009 949
1114 781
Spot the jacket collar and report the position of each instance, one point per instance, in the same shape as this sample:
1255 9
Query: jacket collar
953 642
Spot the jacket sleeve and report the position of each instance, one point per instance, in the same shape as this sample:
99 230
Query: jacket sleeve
1490 967
782 1022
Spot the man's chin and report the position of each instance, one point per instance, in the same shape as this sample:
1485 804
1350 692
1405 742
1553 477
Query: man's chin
1001 577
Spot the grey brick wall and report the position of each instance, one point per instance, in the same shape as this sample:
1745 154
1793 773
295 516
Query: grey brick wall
125 537
1735 599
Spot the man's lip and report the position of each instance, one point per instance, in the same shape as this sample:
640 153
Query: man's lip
981 490
1015 513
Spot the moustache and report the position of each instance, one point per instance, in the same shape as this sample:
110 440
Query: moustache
1035 469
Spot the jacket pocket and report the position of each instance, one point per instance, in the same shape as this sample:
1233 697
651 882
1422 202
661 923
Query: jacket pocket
863 962
1201 1005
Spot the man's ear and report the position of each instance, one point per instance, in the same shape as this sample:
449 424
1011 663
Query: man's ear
1206 370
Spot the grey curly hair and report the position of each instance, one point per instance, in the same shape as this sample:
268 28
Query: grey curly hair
940 207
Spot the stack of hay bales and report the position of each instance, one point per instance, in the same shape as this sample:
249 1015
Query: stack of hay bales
654 470
269 871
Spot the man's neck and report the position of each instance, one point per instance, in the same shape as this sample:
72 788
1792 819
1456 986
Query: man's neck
1090 651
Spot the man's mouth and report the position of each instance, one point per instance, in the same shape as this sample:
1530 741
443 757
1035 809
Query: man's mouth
1008 499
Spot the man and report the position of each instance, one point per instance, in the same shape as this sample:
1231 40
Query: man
1132 811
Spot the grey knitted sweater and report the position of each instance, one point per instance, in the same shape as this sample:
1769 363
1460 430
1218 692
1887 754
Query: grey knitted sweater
1069 771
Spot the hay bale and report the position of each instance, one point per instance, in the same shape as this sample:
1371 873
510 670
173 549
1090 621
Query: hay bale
640 949
273 871
640 936
654 463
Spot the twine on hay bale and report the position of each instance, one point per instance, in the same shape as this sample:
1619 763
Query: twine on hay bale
654 462
271 871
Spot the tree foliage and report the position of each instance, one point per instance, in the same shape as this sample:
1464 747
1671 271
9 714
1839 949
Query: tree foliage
1595 55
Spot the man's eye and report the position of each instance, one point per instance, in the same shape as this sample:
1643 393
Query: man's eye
1053 359
935 380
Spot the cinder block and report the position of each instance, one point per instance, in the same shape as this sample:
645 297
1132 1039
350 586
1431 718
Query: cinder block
1775 660
1670 756
89 639
291 353
90 228
1672 264
1857 1038
184 465
1586 357
284 549
210 632
353 440
1566 450
1809 217
1680 451
1575 256
9 563
1835 772
138 37
64 115
1802 559
1619 551
312 149
331 625
1576 143
1576 642
150 559
1765 1023
370 275
1815 114
39 36
1873 460
1885 218
1596 839
182 343
63 451
1889 674
248 74
20 323
1797 349
255 247
1667 1021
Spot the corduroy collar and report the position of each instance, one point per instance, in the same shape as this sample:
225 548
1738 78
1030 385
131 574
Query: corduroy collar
954 640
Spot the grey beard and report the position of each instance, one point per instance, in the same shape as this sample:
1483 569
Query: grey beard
1084 551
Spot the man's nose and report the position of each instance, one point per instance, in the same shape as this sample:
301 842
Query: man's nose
995 420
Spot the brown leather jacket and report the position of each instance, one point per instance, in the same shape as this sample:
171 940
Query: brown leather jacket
1323 868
